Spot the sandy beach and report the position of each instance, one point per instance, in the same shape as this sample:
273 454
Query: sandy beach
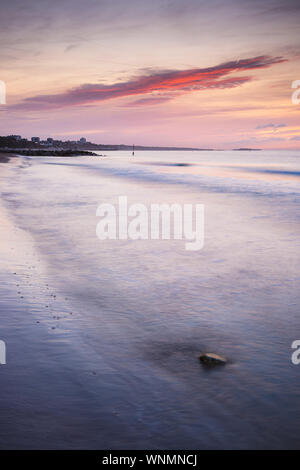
5 157
103 338
47 388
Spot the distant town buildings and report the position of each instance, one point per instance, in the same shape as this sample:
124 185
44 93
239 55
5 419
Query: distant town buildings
50 141
16 137
35 144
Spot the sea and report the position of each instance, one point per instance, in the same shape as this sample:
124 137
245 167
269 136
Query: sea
103 337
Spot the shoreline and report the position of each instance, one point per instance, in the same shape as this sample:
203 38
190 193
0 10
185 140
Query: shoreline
49 382
5 157
89 349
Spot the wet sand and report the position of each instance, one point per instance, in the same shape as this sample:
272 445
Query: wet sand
5 157
51 397
103 339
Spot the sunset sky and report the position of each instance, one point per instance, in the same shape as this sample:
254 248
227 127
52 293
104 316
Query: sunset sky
214 74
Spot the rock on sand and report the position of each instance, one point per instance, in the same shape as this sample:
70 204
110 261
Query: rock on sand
211 359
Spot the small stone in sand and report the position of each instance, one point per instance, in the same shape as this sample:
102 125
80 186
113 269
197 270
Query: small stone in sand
211 359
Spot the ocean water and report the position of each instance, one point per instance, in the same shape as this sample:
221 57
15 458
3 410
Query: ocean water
113 360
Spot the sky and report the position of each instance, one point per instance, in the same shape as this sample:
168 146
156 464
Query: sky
214 74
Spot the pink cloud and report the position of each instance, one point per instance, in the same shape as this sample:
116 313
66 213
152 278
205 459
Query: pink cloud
169 83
